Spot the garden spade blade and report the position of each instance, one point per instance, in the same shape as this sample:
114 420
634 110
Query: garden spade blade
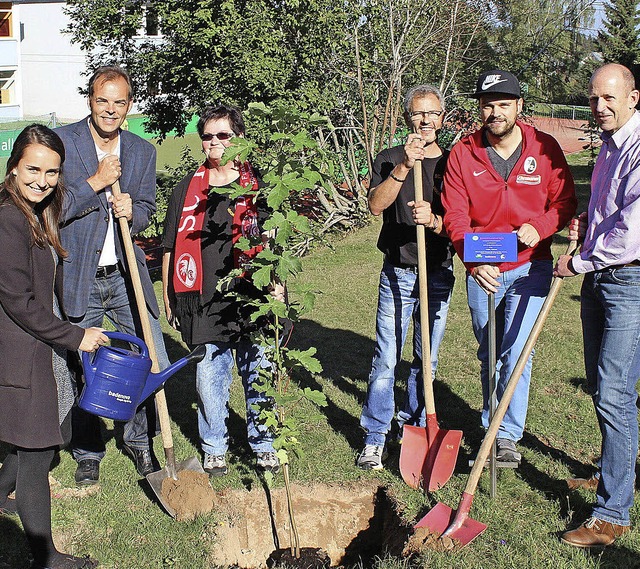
439 521
412 460
431 464
155 479
424 459
441 459
456 525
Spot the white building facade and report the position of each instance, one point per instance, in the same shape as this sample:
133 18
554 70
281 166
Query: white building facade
40 70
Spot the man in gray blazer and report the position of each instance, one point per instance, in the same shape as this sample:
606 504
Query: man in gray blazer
96 285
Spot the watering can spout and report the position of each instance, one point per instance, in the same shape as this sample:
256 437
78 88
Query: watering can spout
156 380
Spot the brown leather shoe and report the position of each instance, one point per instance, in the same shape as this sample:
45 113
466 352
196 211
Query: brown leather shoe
594 533
584 483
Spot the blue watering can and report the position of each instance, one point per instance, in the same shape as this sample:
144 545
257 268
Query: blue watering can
118 380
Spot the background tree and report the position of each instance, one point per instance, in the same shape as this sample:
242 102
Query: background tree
352 61
212 50
403 43
544 43
619 42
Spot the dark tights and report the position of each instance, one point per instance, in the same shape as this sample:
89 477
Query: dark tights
27 472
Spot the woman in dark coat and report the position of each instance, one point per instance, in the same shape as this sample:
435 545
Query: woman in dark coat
36 386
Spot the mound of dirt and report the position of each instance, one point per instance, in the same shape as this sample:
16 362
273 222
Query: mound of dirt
190 496
423 539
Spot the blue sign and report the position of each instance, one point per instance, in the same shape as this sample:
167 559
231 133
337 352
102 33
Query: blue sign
490 247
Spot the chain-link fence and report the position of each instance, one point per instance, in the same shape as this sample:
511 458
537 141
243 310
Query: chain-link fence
571 112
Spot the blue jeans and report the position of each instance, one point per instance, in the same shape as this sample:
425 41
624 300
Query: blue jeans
610 313
398 304
520 296
213 381
109 297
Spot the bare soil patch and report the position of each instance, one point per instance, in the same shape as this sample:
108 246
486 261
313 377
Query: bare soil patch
59 491
308 558
353 524
190 495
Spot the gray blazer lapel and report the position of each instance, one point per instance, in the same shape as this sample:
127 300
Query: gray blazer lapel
86 148
126 160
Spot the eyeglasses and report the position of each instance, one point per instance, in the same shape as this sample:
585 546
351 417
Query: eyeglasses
207 136
433 115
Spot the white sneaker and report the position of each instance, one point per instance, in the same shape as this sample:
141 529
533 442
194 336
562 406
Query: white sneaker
506 451
371 457
268 461
215 465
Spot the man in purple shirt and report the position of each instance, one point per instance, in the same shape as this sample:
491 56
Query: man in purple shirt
610 300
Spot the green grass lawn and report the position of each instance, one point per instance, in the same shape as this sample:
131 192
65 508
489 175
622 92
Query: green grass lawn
170 150
124 528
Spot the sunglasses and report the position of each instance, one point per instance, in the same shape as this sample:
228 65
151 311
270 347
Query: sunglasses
207 136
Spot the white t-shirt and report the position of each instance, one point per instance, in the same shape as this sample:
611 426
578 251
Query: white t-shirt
108 255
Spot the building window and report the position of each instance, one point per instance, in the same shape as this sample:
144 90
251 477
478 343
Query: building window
7 86
151 20
5 20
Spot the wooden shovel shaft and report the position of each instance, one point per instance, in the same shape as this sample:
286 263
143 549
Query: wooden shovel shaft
493 358
427 380
161 400
501 411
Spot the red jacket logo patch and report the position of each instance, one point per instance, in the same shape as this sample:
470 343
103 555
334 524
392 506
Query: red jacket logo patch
529 180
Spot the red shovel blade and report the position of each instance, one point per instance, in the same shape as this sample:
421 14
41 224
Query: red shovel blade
455 524
441 459
413 454
424 465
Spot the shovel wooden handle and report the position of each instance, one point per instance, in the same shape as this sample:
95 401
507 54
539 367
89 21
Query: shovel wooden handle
161 400
427 380
493 358
501 411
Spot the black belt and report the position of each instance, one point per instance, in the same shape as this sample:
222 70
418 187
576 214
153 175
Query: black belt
104 272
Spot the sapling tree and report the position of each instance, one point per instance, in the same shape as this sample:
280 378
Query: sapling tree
293 165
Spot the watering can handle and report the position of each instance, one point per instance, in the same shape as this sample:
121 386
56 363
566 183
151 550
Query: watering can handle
131 339
87 366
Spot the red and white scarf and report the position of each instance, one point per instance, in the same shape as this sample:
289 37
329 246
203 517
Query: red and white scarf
187 258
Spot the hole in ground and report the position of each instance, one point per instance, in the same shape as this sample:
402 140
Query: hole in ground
353 524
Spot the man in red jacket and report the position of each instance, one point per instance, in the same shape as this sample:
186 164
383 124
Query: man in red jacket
507 177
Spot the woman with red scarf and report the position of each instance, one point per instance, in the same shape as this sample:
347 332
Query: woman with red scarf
201 227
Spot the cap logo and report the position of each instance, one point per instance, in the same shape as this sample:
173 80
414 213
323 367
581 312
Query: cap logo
491 80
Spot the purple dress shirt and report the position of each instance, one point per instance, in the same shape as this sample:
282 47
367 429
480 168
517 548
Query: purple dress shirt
613 234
